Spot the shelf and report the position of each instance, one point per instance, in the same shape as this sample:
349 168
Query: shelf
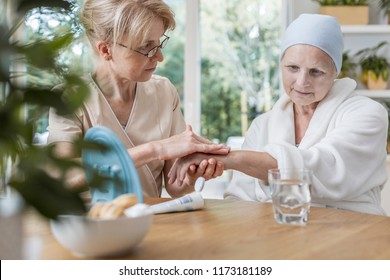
365 29
381 30
384 94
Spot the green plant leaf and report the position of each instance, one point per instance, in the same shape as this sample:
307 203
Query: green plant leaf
48 195
371 61
42 54
31 178
385 74
384 5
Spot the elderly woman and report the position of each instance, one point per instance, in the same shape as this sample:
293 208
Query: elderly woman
141 108
319 123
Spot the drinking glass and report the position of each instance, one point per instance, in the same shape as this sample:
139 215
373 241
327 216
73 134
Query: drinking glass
290 193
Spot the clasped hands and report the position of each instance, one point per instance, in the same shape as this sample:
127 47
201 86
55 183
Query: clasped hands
200 163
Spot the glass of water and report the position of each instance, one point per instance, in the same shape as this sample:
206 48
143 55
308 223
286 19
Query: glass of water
290 192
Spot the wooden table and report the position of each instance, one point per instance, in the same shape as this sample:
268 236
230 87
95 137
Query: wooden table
228 230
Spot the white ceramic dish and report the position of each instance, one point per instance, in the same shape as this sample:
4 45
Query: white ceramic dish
92 237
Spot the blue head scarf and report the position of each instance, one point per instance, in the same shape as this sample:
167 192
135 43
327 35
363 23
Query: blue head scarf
317 30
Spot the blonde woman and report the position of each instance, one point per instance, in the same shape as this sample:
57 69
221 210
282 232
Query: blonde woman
127 38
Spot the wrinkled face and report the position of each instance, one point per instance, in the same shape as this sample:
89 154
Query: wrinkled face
134 66
308 74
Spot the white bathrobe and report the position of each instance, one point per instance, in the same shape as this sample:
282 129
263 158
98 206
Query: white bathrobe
344 145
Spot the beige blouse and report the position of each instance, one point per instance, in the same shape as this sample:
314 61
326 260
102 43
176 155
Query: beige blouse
155 115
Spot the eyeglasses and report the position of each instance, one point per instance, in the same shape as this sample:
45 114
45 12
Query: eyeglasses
153 51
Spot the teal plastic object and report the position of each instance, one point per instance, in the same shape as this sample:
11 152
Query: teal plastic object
113 163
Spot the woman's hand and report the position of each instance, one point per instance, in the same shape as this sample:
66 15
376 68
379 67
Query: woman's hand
174 147
208 169
187 143
193 166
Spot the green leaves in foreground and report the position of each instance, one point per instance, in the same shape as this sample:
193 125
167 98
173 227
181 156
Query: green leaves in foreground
46 193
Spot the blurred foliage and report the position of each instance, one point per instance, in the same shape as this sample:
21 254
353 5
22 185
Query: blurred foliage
240 65
384 6
371 60
42 23
25 96
348 67
240 60
342 2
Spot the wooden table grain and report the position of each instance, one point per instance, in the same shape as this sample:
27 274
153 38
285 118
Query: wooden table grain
229 230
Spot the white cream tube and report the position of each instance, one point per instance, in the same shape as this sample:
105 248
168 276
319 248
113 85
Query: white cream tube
188 202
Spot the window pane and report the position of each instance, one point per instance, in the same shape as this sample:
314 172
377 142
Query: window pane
239 48
46 24
173 65
240 52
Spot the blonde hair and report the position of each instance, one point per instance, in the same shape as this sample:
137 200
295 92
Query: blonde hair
113 20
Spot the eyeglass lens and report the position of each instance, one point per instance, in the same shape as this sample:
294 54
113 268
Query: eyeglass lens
153 51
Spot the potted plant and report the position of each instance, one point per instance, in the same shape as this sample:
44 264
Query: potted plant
23 165
374 67
346 11
384 6
30 176
348 66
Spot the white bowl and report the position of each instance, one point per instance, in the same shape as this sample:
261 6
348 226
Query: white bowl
93 237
